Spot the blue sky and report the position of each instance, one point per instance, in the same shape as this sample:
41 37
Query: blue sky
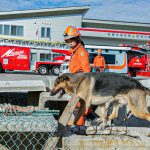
117 10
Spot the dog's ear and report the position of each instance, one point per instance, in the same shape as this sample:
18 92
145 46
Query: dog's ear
64 77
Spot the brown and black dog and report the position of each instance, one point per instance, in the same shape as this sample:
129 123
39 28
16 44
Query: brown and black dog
101 89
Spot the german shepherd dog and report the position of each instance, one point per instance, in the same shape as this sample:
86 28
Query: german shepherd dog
101 89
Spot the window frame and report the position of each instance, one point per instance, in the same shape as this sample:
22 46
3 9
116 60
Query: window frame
9 26
45 32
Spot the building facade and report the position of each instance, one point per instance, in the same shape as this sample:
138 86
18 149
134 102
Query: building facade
100 32
48 25
42 25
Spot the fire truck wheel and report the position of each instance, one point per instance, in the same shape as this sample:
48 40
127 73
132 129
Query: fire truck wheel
56 70
43 70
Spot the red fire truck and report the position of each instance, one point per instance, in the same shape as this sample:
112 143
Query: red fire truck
20 58
139 61
14 58
54 66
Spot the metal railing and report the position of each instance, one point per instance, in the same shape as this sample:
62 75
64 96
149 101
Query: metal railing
32 43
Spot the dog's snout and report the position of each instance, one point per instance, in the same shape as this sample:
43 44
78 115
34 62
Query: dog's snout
51 92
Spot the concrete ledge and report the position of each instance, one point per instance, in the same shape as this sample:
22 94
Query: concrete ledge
22 86
108 142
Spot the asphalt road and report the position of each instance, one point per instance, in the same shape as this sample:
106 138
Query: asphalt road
47 79
20 75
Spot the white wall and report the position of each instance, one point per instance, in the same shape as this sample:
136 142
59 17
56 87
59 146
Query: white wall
109 41
31 25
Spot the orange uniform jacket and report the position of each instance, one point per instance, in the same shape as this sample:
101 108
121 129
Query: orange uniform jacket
79 61
99 61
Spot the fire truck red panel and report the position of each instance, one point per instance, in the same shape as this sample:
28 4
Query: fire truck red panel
15 58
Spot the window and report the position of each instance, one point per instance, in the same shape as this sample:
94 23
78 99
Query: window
48 33
1 29
45 32
56 55
11 30
6 29
42 32
91 50
17 30
20 30
45 57
109 58
48 57
91 57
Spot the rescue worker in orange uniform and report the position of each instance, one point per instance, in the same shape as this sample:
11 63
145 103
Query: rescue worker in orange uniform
99 61
79 61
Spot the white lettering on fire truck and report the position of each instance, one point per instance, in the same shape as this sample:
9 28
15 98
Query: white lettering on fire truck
11 52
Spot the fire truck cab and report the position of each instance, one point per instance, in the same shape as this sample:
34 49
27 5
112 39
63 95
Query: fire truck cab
139 61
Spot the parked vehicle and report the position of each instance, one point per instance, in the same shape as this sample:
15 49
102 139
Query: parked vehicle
131 60
14 58
24 58
139 62
115 58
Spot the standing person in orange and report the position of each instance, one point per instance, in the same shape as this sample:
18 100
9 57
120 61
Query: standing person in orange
79 61
99 61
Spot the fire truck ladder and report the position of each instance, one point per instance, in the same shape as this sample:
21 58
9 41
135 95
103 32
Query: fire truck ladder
32 43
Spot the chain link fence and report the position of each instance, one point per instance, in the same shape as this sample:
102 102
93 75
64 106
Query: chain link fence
28 131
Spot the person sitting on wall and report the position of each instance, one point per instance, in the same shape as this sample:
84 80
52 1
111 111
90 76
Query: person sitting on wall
99 61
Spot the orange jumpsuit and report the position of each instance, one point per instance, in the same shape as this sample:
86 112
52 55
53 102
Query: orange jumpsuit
79 62
99 61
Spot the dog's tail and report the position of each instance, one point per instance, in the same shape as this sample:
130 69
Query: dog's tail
143 115
147 91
